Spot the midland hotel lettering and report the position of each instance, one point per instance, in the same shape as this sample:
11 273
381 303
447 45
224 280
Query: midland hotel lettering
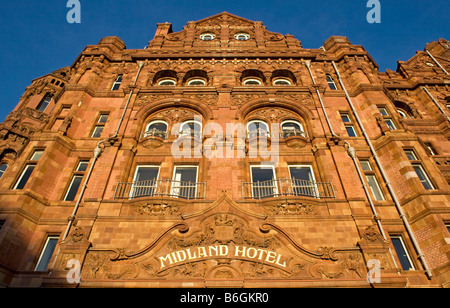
228 155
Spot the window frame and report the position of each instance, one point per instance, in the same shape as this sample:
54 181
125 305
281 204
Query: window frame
44 102
207 34
331 83
287 80
99 124
258 129
275 189
405 250
302 129
2 172
416 162
196 134
147 128
370 173
245 36
172 81
77 173
134 186
246 81
313 180
117 82
174 187
31 162
348 124
44 251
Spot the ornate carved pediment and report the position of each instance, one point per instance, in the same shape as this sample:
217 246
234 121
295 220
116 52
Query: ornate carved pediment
221 247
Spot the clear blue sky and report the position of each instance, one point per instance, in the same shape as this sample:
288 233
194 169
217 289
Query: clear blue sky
36 38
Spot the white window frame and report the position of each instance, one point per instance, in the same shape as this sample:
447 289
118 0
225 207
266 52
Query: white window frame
2 172
295 122
173 82
316 190
412 268
392 125
182 131
245 82
134 186
331 82
427 178
246 36
288 81
51 237
175 189
196 80
275 187
117 82
147 128
204 36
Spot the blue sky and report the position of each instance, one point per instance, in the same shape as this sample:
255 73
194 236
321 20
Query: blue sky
37 39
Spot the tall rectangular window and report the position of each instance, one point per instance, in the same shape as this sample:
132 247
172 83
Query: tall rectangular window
117 83
76 181
372 180
28 170
387 118
100 125
303 182
44 103
418 168
46 254
184 183
3 168
402 252
263 182
144 183
351 132
331 83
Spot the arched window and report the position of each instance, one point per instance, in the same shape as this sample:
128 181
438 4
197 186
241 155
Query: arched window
196 82
156 129
291 128
207 36
257 128
191 128
282 82
242 36
331 83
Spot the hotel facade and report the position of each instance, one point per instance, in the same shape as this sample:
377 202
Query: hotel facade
226 155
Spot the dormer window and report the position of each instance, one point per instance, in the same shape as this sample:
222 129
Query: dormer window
242 36
207 36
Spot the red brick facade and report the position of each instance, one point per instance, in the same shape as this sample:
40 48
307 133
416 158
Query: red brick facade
357 164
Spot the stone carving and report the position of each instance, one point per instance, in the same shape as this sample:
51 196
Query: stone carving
290 208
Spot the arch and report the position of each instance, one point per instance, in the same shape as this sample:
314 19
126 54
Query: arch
405 107
194 74
253 74
258 103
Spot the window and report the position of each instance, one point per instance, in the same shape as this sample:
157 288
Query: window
387 118
207 36
242 36
430 149
156 129
100 125
263 182
303 182
331 83
447 225
348 125
292 128
196 82
117 83
191 128
184 183
402 252
76 181
167 82
282 82
372 180
145 181
46 254
252 82
3 168
28 170
402 113
416 164
257 128
44 103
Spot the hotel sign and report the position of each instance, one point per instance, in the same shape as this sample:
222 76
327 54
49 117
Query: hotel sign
193 254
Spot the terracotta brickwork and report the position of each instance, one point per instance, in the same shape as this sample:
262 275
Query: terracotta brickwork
143 166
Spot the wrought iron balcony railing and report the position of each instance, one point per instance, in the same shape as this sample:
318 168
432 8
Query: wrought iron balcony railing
287 187
164 188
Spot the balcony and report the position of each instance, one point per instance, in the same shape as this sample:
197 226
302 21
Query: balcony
287 187
161 188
